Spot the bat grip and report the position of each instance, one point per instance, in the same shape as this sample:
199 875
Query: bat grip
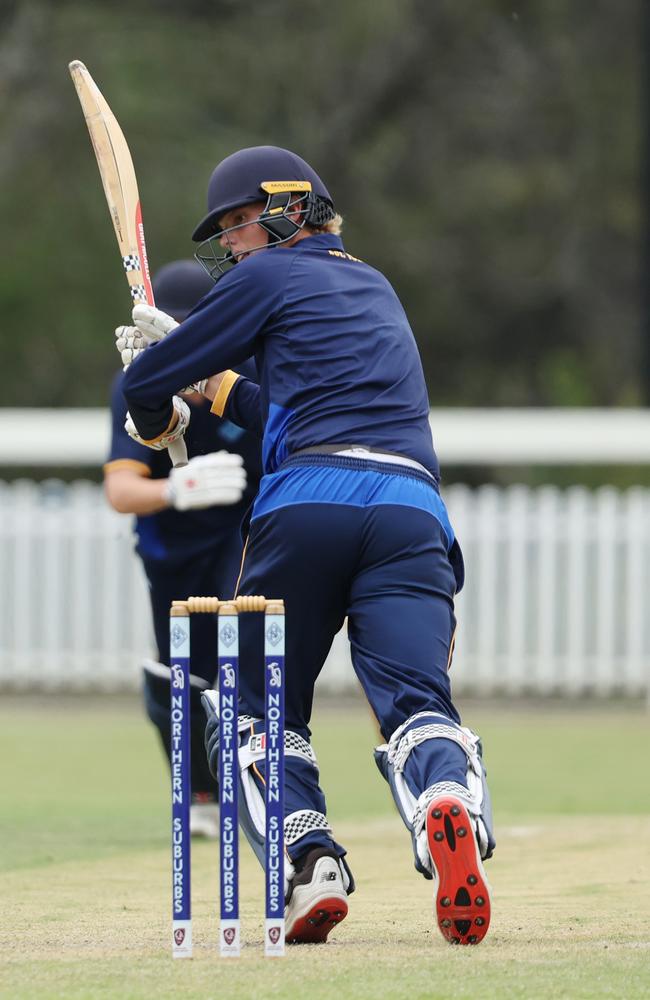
178 452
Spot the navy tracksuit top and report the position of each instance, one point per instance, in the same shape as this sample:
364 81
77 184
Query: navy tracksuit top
337 358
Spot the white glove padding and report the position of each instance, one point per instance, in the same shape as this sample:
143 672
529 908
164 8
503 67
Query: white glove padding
168 437
207 481
129 342
153 324
132 340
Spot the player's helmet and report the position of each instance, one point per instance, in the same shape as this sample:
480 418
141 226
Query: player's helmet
178 286
281 179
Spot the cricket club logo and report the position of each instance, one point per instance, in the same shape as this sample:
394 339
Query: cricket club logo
179 936
274 634
178 677
227 675
274 935
228 635
177 636
229 935
275 679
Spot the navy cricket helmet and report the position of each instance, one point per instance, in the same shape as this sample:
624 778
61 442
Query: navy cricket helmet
282 180
178 286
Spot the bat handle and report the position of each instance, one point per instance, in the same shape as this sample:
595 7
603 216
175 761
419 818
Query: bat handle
178 452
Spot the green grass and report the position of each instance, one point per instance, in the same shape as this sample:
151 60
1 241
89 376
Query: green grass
85 866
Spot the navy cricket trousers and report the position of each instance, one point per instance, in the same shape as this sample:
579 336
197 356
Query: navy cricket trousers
362 540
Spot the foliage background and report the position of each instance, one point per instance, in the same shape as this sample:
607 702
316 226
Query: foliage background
485 155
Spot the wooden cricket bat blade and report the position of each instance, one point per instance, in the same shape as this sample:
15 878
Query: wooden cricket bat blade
121 190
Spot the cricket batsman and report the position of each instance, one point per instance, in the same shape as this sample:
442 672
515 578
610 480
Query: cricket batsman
187 529
348 522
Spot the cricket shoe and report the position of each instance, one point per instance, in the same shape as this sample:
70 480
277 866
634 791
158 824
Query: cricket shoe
462 890
204 819
317 899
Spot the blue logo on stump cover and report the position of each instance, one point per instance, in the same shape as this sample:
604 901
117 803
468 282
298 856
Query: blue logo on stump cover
228 635
177 636
274 634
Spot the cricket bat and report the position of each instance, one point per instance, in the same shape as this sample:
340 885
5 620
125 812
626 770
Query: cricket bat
121 189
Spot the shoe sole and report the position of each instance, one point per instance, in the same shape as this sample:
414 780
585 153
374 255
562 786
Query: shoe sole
463 895
313 926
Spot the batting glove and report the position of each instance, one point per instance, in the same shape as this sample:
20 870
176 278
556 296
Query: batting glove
129 343
181 409
151 325
214 480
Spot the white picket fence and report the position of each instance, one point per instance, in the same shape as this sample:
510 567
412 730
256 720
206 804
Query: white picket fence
558 583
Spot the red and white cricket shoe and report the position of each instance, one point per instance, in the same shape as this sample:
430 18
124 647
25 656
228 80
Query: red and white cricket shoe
318 900
462 890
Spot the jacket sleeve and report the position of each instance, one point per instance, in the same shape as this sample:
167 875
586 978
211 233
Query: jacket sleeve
238 400
124 451
220 333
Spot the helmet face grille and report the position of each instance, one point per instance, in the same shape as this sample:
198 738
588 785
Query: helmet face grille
215 254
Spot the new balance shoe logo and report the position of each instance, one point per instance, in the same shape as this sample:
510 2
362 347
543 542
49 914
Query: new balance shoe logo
328 877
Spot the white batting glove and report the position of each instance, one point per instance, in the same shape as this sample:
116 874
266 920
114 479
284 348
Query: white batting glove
181 409
152 325
129 342
207 481
132 340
